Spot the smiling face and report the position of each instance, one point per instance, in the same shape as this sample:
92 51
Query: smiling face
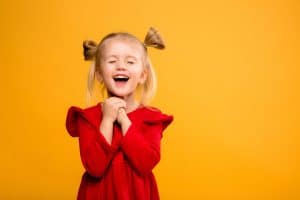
122 66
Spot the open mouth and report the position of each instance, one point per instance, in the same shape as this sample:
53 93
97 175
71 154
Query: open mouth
121 78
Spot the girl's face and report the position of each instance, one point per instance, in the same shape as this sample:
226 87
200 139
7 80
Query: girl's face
122 67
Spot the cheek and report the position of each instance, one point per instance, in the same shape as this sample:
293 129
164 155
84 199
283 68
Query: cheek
105 70
141 75
138 72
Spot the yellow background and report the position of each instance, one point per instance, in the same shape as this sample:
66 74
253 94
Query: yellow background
229 75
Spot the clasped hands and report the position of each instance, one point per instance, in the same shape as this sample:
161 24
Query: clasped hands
114 109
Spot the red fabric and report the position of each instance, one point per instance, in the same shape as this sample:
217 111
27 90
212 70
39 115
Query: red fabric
122 170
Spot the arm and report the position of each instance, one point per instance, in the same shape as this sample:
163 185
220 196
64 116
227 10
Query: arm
143 149
106 127
96 153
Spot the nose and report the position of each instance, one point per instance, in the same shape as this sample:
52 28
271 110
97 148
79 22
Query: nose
121 66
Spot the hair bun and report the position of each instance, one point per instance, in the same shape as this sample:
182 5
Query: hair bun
153 39
89 49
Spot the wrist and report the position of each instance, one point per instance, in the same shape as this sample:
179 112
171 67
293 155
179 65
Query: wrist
125 124
124 121
107 119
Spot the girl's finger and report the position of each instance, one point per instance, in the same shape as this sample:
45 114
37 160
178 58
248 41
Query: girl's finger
120 105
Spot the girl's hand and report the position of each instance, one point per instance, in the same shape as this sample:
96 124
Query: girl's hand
111 108
122 116
123 120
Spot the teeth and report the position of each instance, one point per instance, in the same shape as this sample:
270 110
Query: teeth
120 76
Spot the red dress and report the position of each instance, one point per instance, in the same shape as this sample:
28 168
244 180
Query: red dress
122 170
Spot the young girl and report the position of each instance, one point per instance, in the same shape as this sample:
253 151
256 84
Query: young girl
119 138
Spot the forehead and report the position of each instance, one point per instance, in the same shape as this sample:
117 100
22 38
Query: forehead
122 46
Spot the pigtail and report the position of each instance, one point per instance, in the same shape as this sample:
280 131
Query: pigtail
89 49
89 53
153 39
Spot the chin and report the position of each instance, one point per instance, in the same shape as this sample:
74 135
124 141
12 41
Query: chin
120 94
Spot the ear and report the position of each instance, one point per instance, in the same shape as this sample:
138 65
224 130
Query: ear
143 77
99 76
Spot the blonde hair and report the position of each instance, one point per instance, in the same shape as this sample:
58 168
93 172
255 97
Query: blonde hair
92 51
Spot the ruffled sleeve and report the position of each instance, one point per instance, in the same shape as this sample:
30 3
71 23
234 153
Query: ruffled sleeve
73 115
155 116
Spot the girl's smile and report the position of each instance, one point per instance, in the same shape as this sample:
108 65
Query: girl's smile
121 79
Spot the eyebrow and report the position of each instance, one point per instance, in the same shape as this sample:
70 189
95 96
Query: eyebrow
132 57
115 56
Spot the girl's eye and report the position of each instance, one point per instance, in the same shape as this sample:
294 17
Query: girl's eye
111 61
130 62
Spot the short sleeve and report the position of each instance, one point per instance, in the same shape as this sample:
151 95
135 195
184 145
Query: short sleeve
155 116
